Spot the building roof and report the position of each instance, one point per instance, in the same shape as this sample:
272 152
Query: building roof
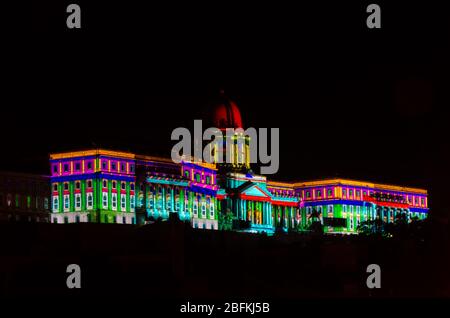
92 152
358 184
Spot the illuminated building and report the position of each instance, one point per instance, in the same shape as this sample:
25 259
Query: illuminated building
343 204
105 186
119 187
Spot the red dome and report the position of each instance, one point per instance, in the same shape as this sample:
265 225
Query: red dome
227 115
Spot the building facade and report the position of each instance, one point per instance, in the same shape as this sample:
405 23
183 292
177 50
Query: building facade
24 197
106 186
341 205
103 186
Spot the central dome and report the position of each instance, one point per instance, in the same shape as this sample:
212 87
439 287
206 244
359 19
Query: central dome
226 114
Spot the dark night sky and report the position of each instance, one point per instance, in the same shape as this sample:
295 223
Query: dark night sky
352 102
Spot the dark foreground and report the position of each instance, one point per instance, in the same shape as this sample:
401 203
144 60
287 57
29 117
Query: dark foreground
170 260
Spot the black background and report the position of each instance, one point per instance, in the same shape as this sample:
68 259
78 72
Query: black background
349 101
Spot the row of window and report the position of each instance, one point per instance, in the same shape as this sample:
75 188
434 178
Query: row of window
77 167
123 185
23 201
204 225
114 166
123 201
198 177
318 194
330 209
90 202
154 204
89 185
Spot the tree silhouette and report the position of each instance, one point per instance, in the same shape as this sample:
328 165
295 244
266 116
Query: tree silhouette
226 220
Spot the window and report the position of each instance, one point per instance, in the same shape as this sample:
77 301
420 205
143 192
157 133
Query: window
344 192
422 201
114 201
66 186
77 166
113 166
45 203
55 204
66 202
358 194
203 208
78 185
132 203
114 184
55 169
132 186
350 192
344 208
308 194
77 201
105 183
55 187
197 177
358 209
207 180
330 193
132 168
195 207
90 200
66 167
319 193
330 208
186 174
122 167
104 165
89 165
124 220
105 200
77 219
364 193
89 184
211 209
123 202
123 185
